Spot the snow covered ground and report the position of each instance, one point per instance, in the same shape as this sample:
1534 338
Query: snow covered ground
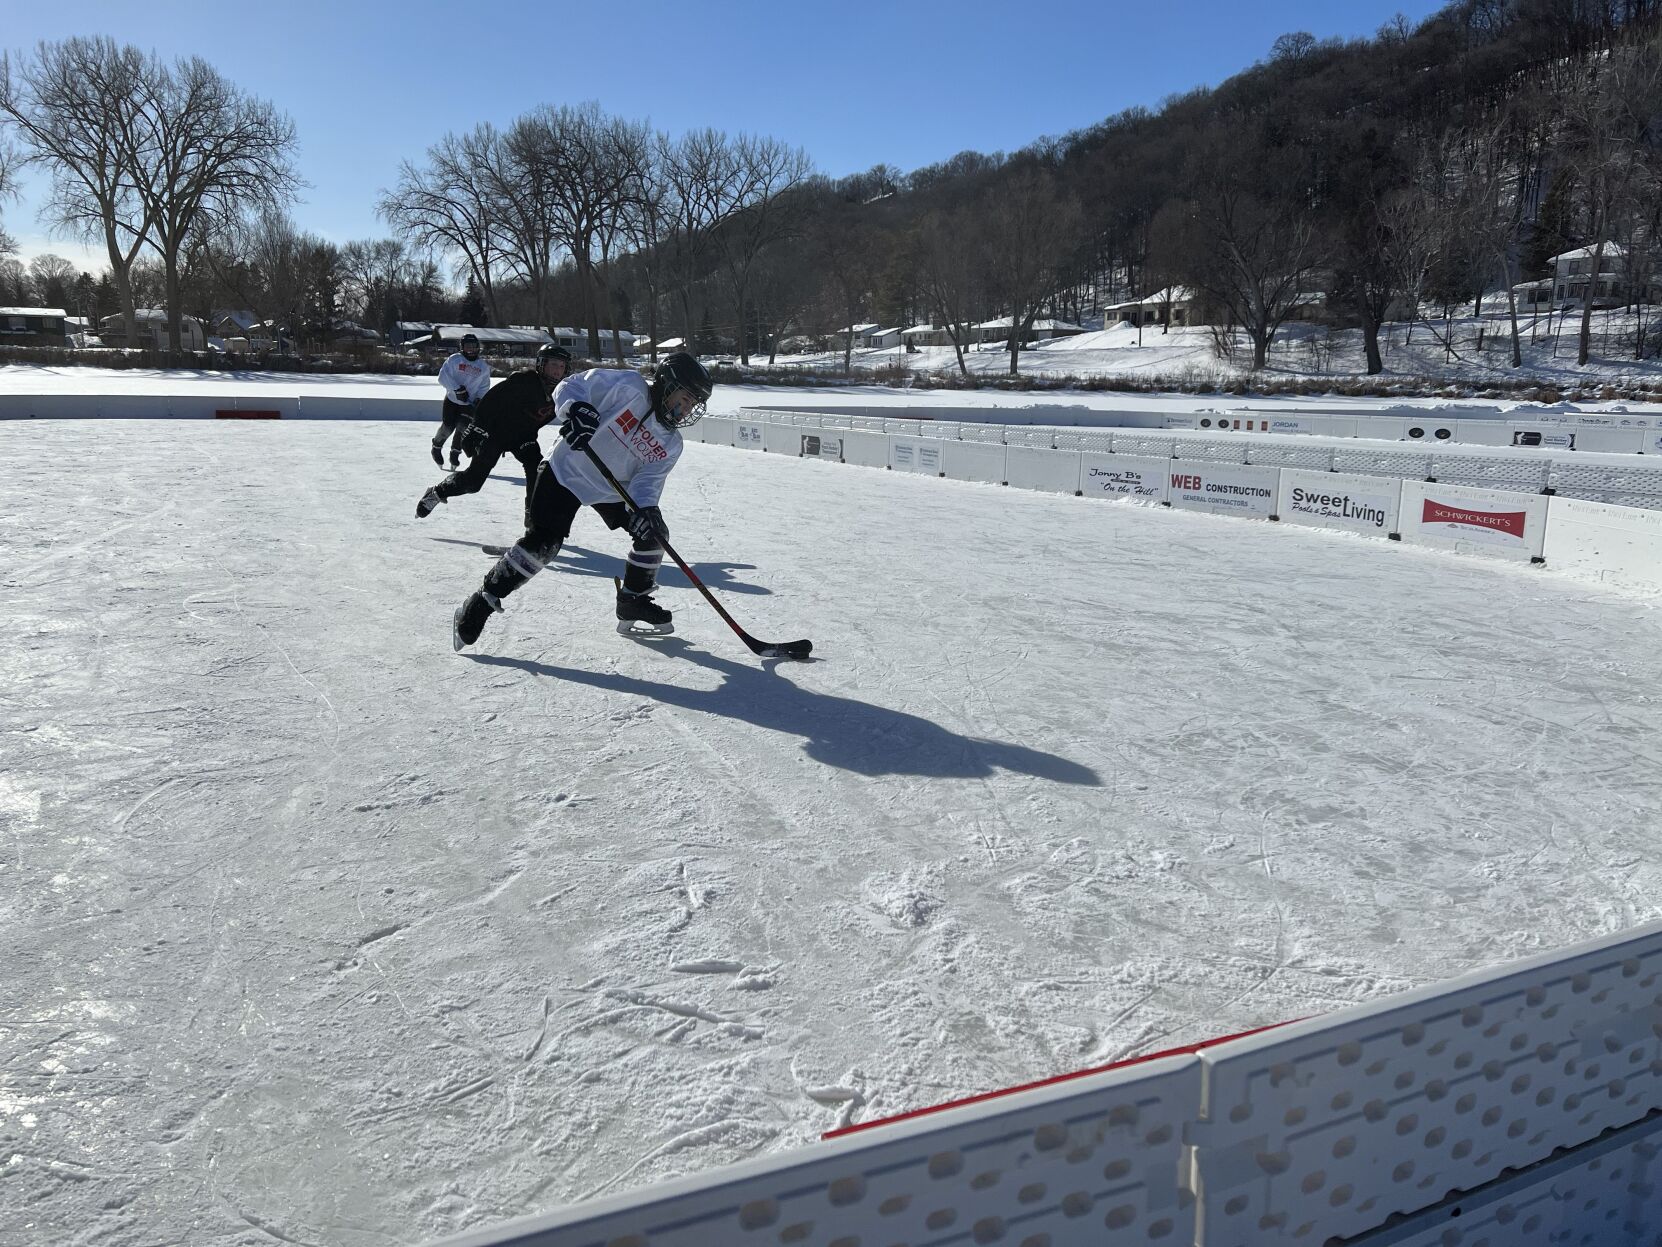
317 932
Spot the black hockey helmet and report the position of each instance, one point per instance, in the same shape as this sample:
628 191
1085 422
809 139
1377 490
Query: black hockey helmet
553 350
680 371
470 340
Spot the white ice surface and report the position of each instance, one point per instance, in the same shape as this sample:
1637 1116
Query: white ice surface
314 931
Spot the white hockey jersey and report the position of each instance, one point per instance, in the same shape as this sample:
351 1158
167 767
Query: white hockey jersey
460 375
637 447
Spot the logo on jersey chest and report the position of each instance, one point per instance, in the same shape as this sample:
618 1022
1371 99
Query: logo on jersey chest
635 435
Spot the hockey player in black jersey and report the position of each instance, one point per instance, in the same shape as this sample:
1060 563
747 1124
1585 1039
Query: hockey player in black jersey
506 422
635 429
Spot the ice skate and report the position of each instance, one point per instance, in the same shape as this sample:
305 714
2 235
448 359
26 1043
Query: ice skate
438 455
469 620
429 501
639 615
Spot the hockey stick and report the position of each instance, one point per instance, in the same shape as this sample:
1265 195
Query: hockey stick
789 649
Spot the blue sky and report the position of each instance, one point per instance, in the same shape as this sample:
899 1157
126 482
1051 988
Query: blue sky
909 84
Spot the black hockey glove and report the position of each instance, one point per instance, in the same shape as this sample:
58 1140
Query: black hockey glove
647 524
462 400
579 425
473 439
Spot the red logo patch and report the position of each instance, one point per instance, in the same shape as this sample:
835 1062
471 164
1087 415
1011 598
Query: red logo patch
1510 522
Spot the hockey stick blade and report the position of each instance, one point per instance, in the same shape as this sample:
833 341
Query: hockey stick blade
798 650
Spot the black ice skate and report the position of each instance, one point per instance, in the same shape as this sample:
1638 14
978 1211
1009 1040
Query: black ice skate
469 620
429 501
438 455
639 615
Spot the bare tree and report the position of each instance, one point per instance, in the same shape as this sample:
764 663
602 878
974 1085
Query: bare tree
700 171
76 105
644 222
203 150
764 210
1028 228
449 207
1611 126
949 274
52 276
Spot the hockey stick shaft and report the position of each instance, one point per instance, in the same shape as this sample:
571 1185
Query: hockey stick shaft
758 647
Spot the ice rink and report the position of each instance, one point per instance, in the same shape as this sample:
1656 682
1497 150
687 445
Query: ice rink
316 932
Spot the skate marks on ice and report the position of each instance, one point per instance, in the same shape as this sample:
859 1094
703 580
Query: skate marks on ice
840 732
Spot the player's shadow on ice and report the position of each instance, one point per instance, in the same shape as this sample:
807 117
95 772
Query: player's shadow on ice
842 732
583 562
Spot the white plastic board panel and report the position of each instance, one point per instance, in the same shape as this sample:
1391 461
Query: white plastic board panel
749 435
1408 465
155 406
974 461
716 430
821 443
371 408
1473 521
1241 489
1430 427
344 407
1124 476
1338 426
1642 478
1481 433
1290 454
1141 445
1599 1194
1611 440
1358 504
785 439
1615 498
1523 473
50 406
1082 1163
1045 438
915 454
1547 436
1616 544
1231 450
1182 422
865 447
1327 1128
1034 467
982 433
872 424
288 407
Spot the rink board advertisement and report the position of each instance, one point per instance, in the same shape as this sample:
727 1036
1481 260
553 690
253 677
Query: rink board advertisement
915 454
1243 489
1123 476
822 446
748 434
1362 504
1477 521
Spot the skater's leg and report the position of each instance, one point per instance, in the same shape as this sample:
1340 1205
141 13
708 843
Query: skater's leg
469 480
552 508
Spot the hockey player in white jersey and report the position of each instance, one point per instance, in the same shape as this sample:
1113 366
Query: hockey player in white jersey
635 429
465 378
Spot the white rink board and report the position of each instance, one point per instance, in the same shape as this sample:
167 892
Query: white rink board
974 461
749 435
1474 521
1622 545
1328 1127
1056 1164
1033 467
824 444
915 454
1245 490
715 431
785 439
1361 504
1123 476
866 448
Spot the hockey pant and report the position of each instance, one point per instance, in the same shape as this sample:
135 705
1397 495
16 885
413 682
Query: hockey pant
552 508
471 479
452 422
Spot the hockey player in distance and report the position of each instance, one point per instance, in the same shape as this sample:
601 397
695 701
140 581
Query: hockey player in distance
506 422
635 429
465 378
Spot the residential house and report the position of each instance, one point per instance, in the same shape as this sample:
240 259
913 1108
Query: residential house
1175 305
152 331
1612 286
998 330
577 340
515 342
33 326
859 334
406 331
926 335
